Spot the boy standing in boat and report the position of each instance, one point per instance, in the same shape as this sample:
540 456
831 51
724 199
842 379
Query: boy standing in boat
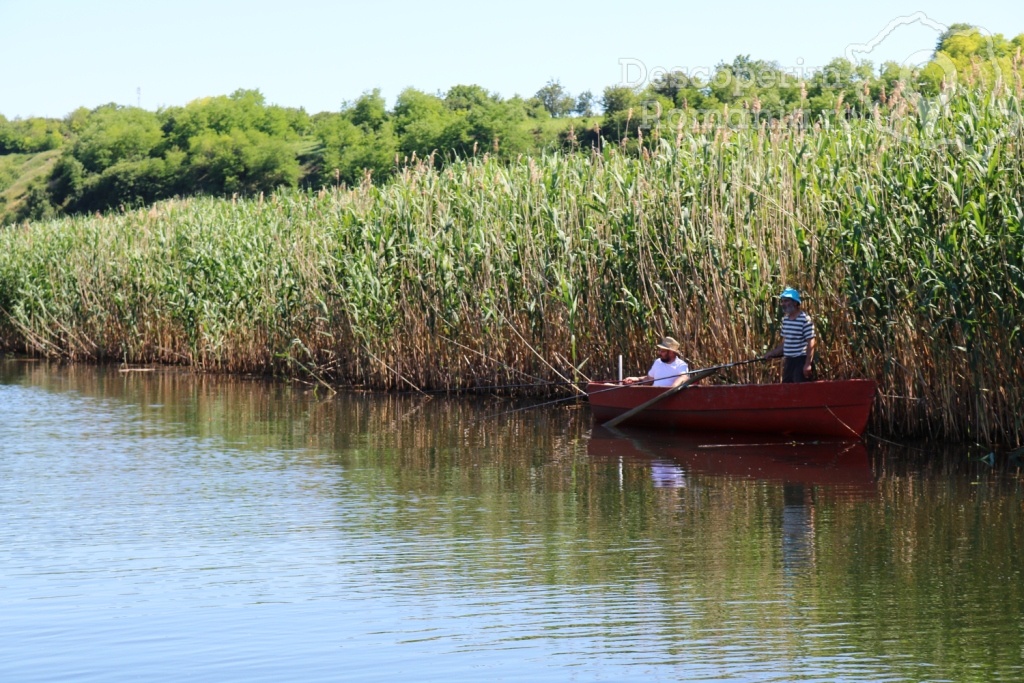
668 369
798 340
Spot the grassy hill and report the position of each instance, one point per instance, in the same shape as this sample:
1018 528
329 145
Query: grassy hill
17 172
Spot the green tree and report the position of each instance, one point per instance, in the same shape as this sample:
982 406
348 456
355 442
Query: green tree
335 135
671 84
36 205
953 30
131 183
29 136
747 82
466 97
971 53
113 133
76 121
840 85
372 155
420 122
488 126
369 111
622 107
242 161
242 110
584 104
498 128
556 99
618 98
67 181
349 152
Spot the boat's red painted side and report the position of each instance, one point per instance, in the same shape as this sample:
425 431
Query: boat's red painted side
838 408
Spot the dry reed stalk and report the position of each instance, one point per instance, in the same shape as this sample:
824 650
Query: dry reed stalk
907 247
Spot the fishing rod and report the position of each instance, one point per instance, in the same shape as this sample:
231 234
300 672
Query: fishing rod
707 370
506 365
459 390
710 368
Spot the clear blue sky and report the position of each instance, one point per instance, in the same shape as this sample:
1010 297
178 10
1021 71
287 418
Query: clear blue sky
63 54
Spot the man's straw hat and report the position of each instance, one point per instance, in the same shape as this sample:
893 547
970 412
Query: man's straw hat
669 344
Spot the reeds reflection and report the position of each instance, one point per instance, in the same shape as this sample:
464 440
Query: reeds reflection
527 527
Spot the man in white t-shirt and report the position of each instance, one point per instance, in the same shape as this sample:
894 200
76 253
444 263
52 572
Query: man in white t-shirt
668 369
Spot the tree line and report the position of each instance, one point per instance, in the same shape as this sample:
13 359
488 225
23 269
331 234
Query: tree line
238 144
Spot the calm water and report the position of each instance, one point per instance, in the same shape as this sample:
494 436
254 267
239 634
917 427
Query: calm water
159 526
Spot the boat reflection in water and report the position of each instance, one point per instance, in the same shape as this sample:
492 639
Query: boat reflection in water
798 476
673 458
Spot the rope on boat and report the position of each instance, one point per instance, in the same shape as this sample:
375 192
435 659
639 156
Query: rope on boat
852 430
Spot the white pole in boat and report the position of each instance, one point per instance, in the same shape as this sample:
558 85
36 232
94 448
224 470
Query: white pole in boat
620 367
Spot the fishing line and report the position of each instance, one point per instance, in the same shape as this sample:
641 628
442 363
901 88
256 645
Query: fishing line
625 386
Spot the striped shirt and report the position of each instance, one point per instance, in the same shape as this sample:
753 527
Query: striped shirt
795 335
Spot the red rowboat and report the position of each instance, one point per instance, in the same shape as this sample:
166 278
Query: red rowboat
837 409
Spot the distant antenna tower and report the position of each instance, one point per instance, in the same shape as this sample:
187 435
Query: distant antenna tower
138 97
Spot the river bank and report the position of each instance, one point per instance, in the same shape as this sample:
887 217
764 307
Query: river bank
905 238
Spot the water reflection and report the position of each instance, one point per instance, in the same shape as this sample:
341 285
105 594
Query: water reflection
667 474
270 532
804 471
842 465
797 529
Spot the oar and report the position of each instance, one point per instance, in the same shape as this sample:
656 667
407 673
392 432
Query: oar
694 377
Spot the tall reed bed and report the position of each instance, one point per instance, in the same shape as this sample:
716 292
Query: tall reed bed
905 234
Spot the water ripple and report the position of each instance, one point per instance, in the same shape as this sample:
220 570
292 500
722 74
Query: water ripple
138 547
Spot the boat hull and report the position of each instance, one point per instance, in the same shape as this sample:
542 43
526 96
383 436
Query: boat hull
837 409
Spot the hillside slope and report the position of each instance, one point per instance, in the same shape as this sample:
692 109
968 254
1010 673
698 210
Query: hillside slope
17 173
